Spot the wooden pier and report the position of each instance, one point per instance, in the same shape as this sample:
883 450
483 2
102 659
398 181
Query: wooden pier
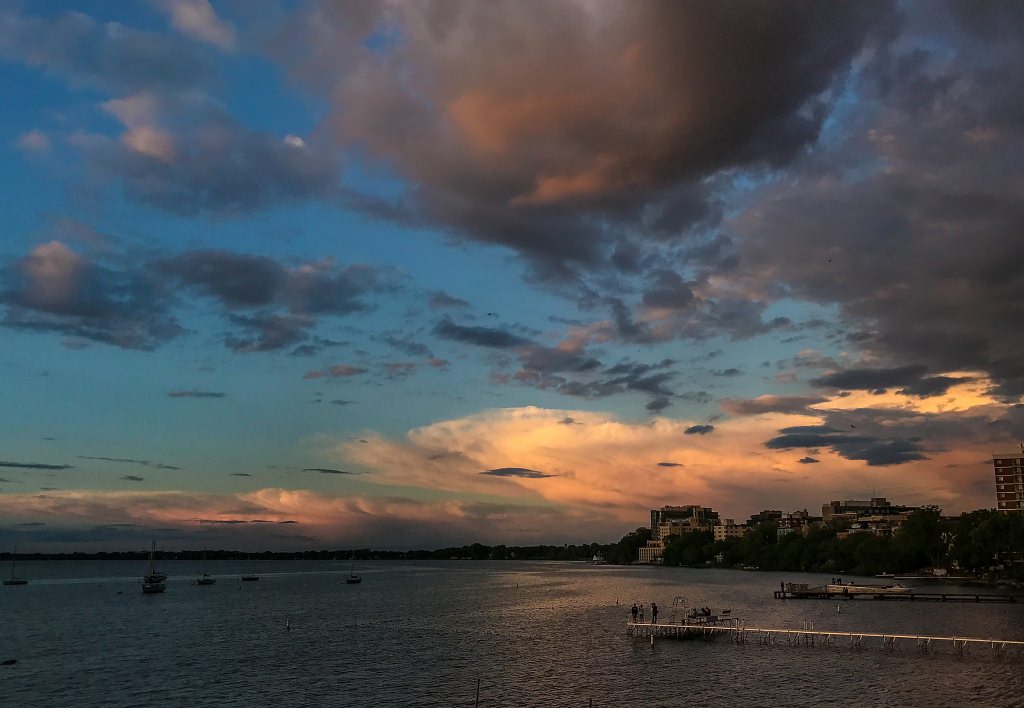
819 594
808 636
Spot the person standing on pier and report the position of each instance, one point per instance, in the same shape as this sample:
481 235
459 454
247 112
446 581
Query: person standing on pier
641 612
654 613
633 611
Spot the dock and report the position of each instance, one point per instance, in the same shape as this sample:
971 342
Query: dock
912 596
808 636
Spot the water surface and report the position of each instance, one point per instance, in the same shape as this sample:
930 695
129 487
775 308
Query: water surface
422 633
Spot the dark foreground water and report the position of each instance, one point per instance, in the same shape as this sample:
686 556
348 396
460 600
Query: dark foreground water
420 634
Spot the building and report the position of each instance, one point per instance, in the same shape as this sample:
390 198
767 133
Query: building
794 521
674 521
853 509
1009 470
729 529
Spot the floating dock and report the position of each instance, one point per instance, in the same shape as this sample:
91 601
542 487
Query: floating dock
808 636
912 596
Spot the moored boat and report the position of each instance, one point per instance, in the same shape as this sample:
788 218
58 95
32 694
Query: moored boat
153 582
13 580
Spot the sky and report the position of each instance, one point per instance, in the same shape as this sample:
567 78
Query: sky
283 275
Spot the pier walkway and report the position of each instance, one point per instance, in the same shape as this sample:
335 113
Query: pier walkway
913 596
809 636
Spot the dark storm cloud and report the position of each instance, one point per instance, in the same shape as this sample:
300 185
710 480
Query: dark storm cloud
517 472
104 55
55 289
770 404
480 336
876 451
495 148
325 470
922 256
699 429
35 466
130 461
196 394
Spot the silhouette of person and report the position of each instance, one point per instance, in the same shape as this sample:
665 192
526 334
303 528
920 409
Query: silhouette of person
654 613
641 612
633 611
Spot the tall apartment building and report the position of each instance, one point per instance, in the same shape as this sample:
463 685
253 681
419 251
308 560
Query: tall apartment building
673 521
1009 470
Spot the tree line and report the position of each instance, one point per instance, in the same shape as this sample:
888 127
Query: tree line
980 543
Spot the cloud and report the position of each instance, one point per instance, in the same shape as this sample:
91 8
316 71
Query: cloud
517 472
808 461
495 149
132 478
108 56
240 474
55 289
770 404
196 394
480 336
919 246
35 466
699 429
183 153
670 464
876 451
441 300
197 19
33 141
127 460
242 281
325 470
341 402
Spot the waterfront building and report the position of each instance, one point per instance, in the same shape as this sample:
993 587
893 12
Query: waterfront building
729 529
854 509
1009 472
674 521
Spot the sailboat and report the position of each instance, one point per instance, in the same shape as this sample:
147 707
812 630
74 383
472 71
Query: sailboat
153 582
12 580
205 578
352 578
250 577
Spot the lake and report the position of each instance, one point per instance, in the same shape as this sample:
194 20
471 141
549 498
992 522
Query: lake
423 633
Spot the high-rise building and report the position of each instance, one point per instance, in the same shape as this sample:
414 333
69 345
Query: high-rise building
1009 469
674 521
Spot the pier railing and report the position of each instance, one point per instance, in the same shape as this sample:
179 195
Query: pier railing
809 636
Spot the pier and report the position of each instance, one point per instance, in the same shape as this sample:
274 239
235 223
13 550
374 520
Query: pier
912 596
808 636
